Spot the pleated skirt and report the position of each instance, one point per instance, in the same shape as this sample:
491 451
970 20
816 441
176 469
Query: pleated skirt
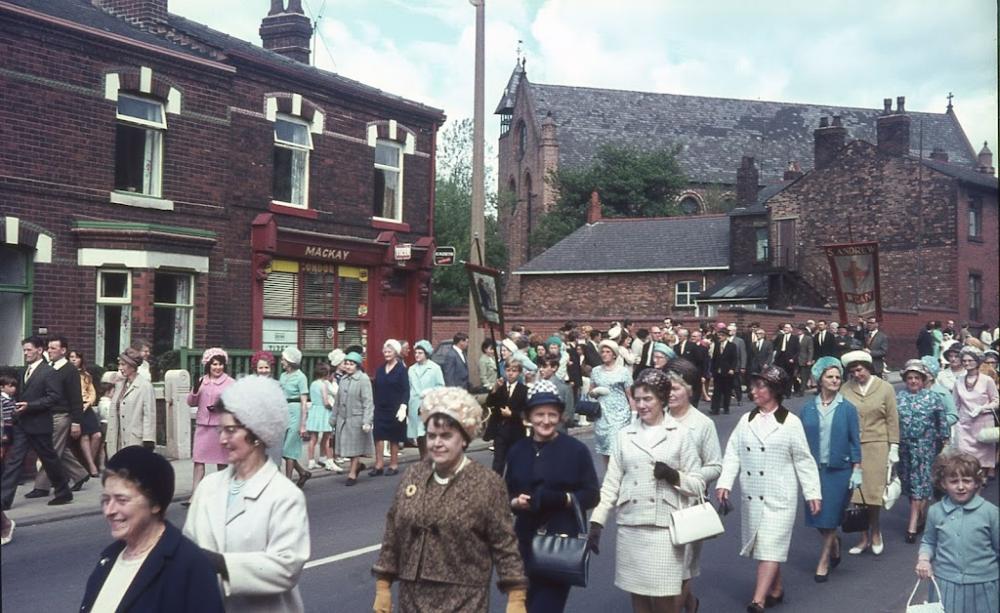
969 597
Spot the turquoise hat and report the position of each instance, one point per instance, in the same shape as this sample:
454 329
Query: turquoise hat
932 364
353 356
662 348
825 363
553 340
425 345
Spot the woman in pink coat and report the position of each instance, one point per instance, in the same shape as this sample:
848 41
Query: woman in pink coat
976 399
207 391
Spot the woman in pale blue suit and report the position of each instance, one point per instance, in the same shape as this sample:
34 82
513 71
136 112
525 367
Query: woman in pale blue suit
833 432
424 375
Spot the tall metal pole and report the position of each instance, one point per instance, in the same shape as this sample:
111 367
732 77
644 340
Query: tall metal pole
477 225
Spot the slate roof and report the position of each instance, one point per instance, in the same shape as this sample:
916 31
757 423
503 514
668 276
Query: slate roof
717 132
738 288
637 245
964 175
763 195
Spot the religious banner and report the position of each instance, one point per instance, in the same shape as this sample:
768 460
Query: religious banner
485 285
854 268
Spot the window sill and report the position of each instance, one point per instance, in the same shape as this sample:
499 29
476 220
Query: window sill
284 209
141 201
382 223
976 239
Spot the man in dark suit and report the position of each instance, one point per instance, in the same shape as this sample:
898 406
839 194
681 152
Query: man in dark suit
33 427
805 359
724 366
456 365
591 352
823 341
506 403
761 352
876 344
786 354
925 340
689 347
66 416
646 357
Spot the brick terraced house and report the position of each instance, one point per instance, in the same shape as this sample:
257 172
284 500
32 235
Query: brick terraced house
161 179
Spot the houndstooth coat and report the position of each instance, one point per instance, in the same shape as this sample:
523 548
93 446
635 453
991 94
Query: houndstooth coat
771 461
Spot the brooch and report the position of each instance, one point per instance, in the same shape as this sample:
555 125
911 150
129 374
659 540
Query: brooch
411 489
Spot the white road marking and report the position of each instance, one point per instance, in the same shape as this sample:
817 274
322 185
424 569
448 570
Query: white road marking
343 556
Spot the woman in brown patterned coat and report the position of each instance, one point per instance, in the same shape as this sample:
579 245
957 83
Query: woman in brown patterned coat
449 523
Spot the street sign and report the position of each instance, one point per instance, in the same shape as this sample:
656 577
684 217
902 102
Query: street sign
444 256
404 251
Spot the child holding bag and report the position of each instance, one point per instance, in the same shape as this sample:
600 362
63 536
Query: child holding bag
961 542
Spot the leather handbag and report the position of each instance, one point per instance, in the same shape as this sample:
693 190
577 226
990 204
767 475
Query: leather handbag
893 488
855 517
990 434
561 558
695 523
925 607
591 409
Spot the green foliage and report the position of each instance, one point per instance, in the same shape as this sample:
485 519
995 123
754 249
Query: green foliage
631 182
452 211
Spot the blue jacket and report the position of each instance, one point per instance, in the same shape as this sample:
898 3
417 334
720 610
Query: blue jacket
845 437
176 576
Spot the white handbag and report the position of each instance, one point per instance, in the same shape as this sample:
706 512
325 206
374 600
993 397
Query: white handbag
695 523
893 488
989 434
925 607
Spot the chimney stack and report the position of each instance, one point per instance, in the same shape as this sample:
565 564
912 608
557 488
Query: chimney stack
747 182
985 164
287 32
142 13
828 140
594 208
939 154
893 128
793 172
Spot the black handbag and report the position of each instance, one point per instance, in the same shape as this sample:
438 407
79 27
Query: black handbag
591 409
561 558
855 517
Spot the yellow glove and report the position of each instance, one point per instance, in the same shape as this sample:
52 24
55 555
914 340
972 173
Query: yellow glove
383 596
516 600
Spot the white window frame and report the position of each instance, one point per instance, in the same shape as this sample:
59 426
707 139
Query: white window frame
761 248
104 301
127 299
153 183
691 298
188 308
294 147
398 217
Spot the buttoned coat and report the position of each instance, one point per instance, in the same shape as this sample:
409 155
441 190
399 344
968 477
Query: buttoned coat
423 377
132 418
41 394
355 409
265 539
771 469
630 489
877 345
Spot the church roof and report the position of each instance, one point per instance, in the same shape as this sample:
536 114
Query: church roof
716 133
638 245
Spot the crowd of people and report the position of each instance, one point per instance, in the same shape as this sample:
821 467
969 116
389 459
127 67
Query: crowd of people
453 523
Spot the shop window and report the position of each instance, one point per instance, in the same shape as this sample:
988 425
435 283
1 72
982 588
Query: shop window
292 143
315 306
975 218
761 249
173 311
388 193
114 315
15 301
975 296
686 293
139 145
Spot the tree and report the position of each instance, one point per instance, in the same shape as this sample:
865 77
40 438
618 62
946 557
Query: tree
452 209
631 182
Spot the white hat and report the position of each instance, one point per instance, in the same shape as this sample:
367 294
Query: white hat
510 345
336 357
615 332
393 344
259 404
292 355
610 344
856 356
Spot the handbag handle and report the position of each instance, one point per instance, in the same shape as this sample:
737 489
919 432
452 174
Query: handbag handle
862 492
581 523
937 590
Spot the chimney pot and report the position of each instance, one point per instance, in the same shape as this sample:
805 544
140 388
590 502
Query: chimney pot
836 121
747 182
792 172
985 160
827 141
900 104
288 32
594 209
824 122
887 104
892 130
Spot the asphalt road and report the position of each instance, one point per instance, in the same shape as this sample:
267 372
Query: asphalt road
46 567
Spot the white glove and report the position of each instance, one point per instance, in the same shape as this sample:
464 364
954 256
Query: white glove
599 391
401 413
855 481
893 453
366 428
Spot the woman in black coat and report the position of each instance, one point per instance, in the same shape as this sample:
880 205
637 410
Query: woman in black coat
151 567
544 473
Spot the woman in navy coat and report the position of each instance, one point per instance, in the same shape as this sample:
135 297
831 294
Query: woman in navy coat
391 391
833 432
543 475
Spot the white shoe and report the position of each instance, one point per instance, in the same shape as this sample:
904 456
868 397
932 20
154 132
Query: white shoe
877 549
386 454
313 465
332 466
10 535
341 461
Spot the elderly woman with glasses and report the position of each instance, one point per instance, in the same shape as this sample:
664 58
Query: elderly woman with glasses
250 519
977 401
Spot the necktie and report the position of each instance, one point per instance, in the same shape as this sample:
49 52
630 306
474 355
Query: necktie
822 336
784 342
759 344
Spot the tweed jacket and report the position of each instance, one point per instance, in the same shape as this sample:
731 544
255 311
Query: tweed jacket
770 466
132 418
355 409
457 537
629 487
265 538
876 410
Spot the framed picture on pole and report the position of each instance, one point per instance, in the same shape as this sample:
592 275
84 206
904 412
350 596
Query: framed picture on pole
485 286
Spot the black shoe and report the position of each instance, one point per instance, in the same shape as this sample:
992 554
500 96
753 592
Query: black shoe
36 493
770 601
375 472
79 484
821 578
835 560
303 477
351 481
755 607
391 471
911 537
60 500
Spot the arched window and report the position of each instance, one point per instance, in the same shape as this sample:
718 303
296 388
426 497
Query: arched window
690 203
529 212
512 194
522 137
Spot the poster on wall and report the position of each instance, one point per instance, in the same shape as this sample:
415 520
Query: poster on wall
485 286
854 268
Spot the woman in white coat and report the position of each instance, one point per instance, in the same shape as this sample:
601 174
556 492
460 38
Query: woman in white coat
769 452
132 416
652 472
250 519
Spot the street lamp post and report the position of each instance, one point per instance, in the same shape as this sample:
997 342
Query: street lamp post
477 225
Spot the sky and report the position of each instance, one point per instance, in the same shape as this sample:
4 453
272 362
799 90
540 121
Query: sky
845 53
